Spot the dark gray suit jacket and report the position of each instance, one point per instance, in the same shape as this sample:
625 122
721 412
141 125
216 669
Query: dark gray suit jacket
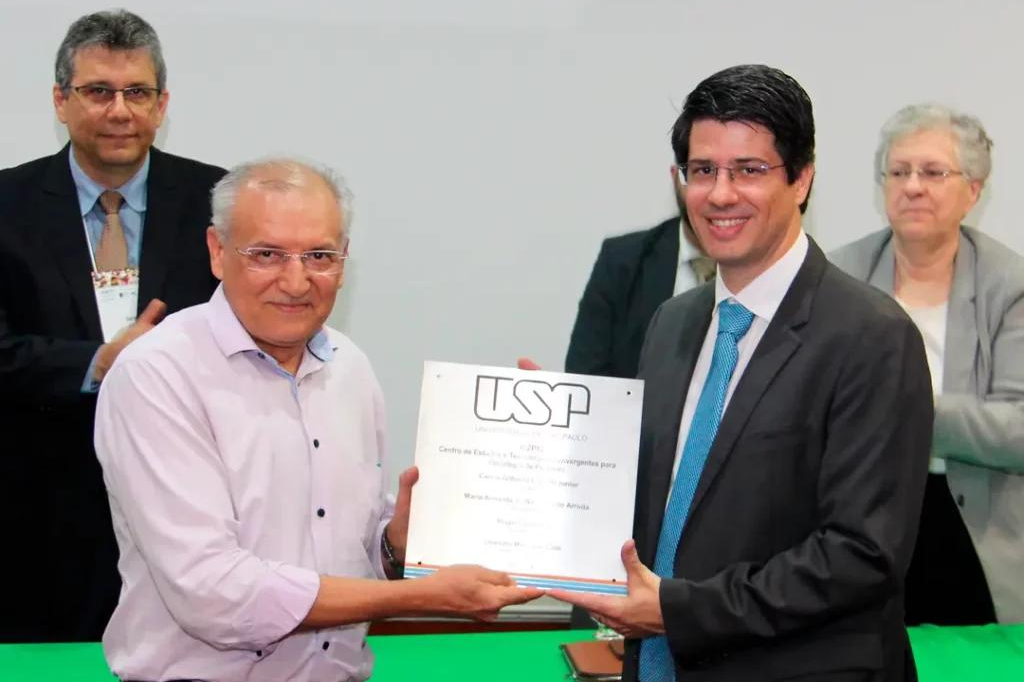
804 520
634 273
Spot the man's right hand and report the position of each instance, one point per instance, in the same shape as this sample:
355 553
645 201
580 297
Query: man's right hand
108 352
467 591
476 592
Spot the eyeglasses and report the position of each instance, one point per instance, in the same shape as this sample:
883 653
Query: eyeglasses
137 97
743 174
318 262
927 176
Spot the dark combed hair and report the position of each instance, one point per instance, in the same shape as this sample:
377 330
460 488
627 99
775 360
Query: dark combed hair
753 93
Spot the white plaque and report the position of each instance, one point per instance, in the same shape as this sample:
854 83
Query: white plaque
528 472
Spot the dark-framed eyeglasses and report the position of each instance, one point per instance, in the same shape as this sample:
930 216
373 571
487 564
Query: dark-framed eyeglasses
136 96
901 175
315 262
700 174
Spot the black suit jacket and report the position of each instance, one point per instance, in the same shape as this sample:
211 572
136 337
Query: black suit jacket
62 566
633 275
802 526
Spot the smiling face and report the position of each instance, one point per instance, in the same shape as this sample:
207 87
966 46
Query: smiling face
110 142
280 309
745 228
928 211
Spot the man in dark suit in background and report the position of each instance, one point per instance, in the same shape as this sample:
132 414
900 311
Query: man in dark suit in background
633 275
106 202
786 428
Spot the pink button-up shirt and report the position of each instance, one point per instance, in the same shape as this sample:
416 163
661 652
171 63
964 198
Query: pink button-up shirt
233 486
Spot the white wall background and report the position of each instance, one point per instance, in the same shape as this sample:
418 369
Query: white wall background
492 145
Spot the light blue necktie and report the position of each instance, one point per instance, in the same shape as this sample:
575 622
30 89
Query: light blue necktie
656 664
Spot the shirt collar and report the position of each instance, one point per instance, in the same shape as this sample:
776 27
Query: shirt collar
320 346
232 338
133 191
765 293
687 251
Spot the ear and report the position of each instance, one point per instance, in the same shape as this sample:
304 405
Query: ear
216 252
973 193
161 107
343 245
803 183
676 180
59 102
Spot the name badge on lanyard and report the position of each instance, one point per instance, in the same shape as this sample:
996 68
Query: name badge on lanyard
117 296
117 299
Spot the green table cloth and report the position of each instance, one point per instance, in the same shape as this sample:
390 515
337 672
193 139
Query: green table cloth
988 653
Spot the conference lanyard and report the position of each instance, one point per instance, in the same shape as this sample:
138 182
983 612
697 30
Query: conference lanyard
117 294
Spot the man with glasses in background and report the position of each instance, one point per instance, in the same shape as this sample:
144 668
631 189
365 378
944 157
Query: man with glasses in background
96 243
634 273
786 428
242 444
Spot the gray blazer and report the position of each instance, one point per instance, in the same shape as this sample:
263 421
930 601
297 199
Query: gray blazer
979 418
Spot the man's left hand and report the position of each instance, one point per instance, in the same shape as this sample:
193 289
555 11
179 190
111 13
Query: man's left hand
638 614
398 528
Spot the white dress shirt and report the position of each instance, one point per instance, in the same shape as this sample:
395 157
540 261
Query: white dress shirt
761 297
233 486
685 277
931 322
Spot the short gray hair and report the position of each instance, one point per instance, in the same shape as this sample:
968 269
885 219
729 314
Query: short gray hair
280 174
973 145
114 30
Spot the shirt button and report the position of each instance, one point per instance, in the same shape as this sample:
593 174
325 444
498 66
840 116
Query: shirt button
960 500
326 644
320 512
260 356
259 652
316 443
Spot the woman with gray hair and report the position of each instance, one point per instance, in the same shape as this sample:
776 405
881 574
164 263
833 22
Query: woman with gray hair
965 292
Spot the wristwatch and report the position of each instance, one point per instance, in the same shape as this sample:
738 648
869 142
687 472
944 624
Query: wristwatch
396 567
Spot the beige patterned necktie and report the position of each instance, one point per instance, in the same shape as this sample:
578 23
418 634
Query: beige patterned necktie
112 251
703 268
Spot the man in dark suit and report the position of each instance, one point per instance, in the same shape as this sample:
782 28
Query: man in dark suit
57 224
786 428
633 275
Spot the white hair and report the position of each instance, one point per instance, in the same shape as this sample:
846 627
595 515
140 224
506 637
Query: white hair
973 145
275 174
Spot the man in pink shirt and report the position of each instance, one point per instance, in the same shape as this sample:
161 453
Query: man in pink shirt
241 443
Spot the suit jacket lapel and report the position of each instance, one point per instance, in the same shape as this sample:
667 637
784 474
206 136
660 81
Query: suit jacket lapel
160 229
961 330
674 374
664 255
883 269
781 339
62 233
